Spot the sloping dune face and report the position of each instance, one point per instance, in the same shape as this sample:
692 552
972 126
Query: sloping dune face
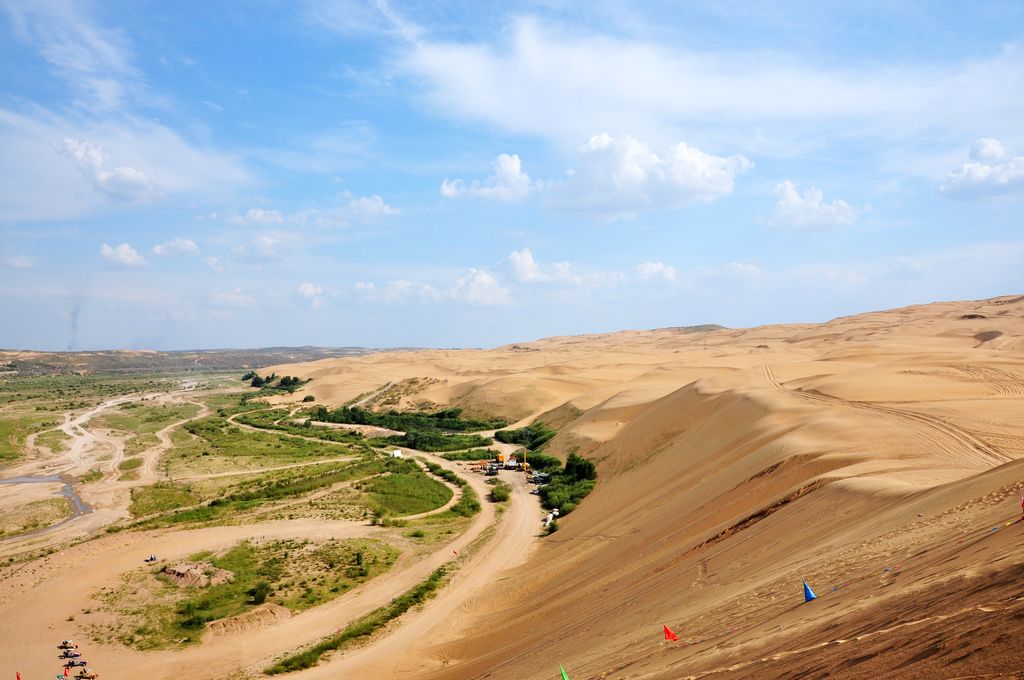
876 456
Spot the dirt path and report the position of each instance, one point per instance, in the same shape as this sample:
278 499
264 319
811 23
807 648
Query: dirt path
151 457
100 563
400 653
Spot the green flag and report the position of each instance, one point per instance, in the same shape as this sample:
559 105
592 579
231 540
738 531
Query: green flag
564 675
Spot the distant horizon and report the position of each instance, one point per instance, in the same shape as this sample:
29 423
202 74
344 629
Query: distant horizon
350 172
412 347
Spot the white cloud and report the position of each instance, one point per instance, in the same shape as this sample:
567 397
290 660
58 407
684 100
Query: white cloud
479 287
311 293
370 208
559 83
618 177
991 174
808 210
258 216
123 255
215 264
89 58
399 291
178 246
17 261
364 209
648 271
233 298
525 269
508 183
122 183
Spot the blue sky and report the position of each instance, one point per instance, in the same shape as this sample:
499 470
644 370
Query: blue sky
224 174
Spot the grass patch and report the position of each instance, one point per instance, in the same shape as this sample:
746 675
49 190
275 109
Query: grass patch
416 421
501 492
161 497
469 504
35 515
406 493
267 419
362 627
130 464
155 613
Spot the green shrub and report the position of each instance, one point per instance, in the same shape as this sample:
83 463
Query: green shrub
501 492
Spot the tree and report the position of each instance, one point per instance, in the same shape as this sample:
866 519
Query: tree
260 592
579 469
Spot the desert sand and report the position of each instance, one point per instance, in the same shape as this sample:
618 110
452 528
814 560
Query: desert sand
876 457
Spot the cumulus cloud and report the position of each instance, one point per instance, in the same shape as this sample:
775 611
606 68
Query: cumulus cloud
618 177
525 269
474 287
990 174
370 208
122 183
17 261
178 246
216 264
311 293
479 287
507 183
123 255
649 271
809 210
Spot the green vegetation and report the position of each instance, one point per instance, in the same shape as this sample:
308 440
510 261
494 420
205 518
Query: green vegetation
287 383
291 573
308 398
251 494
34 515
569 486
273 419
160 497
473 454
91 476
130 464
541 462
532 437
501 492
434 441
406 493
362 627
469 504
223 445
447 419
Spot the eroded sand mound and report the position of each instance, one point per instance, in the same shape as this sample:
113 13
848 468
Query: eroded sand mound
196 574
262 616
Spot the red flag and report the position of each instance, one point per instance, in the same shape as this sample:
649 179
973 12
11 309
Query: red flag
65 671
669 635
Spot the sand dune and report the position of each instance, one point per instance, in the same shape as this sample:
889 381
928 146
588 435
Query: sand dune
856 454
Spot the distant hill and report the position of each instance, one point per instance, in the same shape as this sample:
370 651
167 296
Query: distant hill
151 361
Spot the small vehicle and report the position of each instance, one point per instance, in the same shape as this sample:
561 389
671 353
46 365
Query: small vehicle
151 558
68 654
492 472
87 674
75 662
67 644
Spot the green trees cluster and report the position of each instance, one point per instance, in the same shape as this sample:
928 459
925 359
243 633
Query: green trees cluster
532 436
570 485
446 419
